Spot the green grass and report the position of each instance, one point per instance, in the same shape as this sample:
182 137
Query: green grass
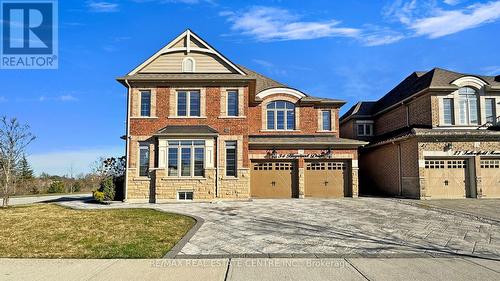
51 231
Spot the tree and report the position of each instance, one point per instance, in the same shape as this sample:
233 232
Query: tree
25 174
14 138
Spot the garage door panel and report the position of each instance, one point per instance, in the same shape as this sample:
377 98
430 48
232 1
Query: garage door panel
490 178
446 178
273 180
326 179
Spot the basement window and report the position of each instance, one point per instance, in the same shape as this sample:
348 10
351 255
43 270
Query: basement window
185 195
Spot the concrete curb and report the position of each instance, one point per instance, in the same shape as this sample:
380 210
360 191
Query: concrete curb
178 247
450 211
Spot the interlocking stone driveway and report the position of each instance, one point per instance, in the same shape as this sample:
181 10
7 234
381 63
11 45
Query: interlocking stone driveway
343 227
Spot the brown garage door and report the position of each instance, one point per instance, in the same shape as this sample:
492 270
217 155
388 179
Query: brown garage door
447 178
490 178
272 179
326 179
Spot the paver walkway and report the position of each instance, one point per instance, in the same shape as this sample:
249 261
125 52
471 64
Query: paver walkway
327 228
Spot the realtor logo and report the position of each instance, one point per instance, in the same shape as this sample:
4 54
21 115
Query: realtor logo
29 34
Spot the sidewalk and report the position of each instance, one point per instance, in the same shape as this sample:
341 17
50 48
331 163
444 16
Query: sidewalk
252 269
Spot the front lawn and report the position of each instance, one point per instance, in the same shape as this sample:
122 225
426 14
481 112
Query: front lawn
51 231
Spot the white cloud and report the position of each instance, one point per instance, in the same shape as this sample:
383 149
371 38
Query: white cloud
271 24
60 163
452 21
102 7
492 70
188 2
452 2
61 98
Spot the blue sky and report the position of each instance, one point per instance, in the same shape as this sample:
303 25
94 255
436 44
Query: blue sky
354 50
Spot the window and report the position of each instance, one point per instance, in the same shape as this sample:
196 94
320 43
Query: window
231 157
188 65
232 103
448 115
143 160
365 129
191 155
280 115
188 103
490 110
467 101
326 118
185 195
145 103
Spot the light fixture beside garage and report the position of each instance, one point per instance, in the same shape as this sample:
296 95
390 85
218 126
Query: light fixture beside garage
448 147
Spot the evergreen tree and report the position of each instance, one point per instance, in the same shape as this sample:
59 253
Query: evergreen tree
25 171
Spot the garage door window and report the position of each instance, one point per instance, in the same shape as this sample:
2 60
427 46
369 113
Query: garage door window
490 164
434 164
317 166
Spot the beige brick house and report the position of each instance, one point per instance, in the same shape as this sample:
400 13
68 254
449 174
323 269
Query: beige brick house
200 127
435 135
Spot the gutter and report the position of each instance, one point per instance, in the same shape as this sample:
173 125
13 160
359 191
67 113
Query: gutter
127 143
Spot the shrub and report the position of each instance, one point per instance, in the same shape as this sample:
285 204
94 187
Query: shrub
56 187
77 186
107 186
98 196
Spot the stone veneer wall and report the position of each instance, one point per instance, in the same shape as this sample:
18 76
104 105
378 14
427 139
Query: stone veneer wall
235 188
167 188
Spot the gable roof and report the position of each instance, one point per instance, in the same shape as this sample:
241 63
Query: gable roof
200 46
435 79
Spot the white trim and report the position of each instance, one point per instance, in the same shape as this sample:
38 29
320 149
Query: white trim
470 81
286 91
188 49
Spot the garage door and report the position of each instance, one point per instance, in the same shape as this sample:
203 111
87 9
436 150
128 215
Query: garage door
273 180
490 178
326 179
447 178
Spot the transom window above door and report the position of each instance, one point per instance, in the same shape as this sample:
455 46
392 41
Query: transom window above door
188 103
280 115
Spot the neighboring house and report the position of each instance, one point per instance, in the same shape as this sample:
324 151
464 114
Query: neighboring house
200 127
435 135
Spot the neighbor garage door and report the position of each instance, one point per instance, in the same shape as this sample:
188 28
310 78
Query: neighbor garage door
326 179
446 178
273 179
490 177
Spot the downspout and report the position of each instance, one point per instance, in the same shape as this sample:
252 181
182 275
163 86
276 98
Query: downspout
217 167
127 142
400 171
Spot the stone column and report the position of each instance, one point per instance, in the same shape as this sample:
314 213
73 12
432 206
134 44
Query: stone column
301 177
476 163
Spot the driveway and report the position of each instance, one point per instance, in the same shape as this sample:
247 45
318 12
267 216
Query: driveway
327 228
23 200
483 208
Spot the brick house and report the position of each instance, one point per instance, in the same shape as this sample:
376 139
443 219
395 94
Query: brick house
435 135
200 127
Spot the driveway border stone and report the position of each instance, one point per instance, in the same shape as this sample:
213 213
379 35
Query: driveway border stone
178 247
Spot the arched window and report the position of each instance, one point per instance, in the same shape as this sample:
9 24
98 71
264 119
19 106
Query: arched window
188 65
468 106
280 115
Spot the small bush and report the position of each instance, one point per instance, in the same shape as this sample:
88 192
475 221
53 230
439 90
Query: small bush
77 186
98 196
56 187
107 186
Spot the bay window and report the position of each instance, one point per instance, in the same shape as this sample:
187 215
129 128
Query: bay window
191 154
280 115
